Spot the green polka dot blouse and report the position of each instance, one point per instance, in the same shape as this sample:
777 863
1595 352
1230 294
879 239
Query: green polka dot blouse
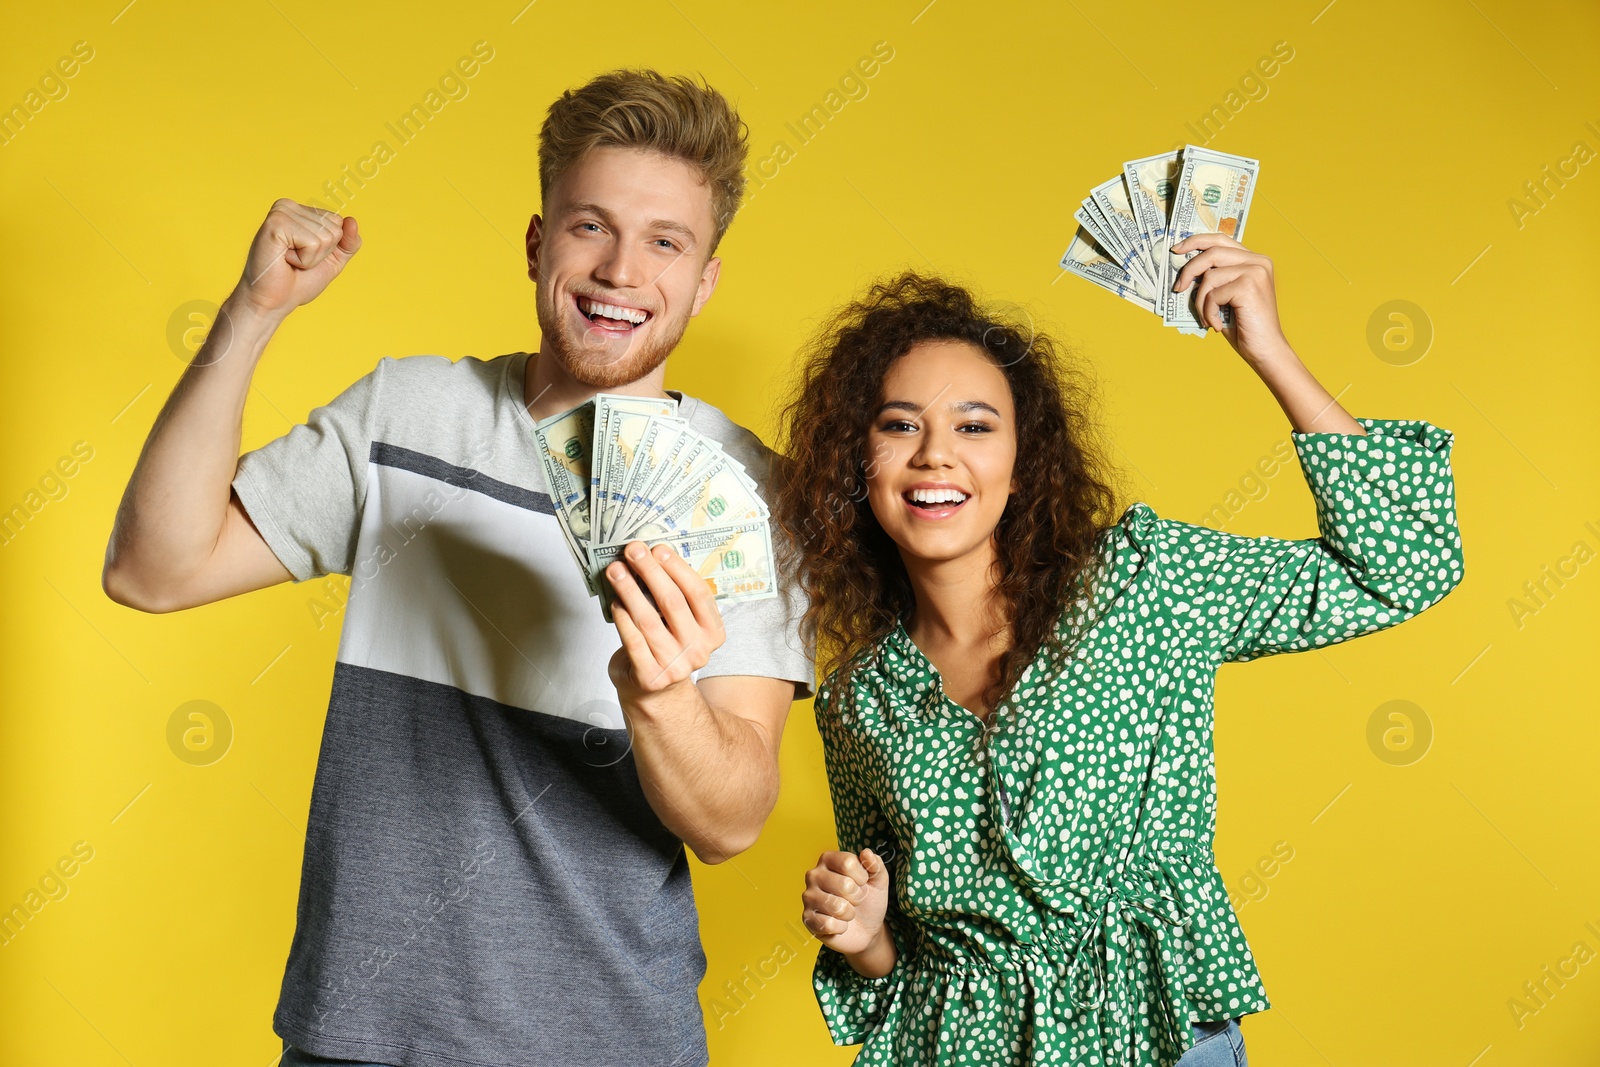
1055 897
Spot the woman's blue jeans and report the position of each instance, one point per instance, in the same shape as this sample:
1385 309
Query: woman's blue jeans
1218 1044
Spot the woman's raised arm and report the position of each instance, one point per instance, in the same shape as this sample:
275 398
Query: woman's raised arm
1229 273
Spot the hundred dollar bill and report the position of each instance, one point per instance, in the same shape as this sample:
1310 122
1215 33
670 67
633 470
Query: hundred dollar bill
716 497
691 455
1112 198
1105 235
608 459
1123 257
623 468
563 443
1114 240
600 470
645 445
624 435
716 484
1085 259
736 561
662 437
1212 196
652 478
1151 181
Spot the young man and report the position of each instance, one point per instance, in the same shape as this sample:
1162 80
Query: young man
494 869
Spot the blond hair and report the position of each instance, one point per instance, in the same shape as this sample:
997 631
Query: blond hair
648 110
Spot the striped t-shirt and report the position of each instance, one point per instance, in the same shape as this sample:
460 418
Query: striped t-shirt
484 881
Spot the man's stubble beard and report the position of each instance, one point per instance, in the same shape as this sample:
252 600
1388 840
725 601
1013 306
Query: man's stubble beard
579 360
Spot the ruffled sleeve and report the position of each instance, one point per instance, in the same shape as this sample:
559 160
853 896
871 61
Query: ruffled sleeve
852 1005
1388 547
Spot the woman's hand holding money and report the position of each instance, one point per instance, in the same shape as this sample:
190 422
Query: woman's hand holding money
1226 272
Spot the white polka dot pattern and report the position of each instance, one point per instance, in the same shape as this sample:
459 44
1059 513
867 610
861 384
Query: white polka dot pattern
1055 896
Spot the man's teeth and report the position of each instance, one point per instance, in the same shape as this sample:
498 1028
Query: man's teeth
612 311
937 496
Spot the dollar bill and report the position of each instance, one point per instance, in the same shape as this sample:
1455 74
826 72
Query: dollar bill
1107 247
1212 196
623 468
564 449
564 442
1151 181
1087 260
1091 218
663 438
1128 225
1112 197
609 463
715 497
681 454
691 457
655 480
625 437
736 561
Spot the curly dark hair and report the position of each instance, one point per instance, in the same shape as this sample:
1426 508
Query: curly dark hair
1047 539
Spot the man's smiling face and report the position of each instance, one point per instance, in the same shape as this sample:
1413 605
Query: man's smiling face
621 263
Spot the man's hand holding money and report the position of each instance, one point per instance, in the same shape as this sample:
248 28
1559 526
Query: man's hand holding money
666 634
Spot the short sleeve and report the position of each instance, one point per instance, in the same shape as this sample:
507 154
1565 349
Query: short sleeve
766 638
769 638
1389 546
853 1005
305 491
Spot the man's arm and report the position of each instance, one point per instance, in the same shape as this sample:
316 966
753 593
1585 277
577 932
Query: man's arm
707 754
181 537
708 760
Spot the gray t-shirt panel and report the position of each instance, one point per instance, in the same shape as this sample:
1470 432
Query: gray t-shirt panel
484 881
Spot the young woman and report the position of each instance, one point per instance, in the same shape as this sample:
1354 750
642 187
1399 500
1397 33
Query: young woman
1017 708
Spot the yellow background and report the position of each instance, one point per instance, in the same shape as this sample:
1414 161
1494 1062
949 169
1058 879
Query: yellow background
1420 897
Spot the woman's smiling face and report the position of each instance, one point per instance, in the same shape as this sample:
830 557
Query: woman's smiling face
940 451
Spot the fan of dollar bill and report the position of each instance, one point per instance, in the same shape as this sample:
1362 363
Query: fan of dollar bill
1128 225
627 468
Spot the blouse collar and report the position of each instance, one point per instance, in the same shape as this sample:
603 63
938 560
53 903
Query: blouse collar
904 664
912 674
1125 553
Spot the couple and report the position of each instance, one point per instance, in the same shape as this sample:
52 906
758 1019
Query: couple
1017 704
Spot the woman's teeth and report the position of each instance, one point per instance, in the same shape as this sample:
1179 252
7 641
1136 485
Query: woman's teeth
936 497
594 309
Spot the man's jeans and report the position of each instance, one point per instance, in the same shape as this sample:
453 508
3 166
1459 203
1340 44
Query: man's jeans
1216 1045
